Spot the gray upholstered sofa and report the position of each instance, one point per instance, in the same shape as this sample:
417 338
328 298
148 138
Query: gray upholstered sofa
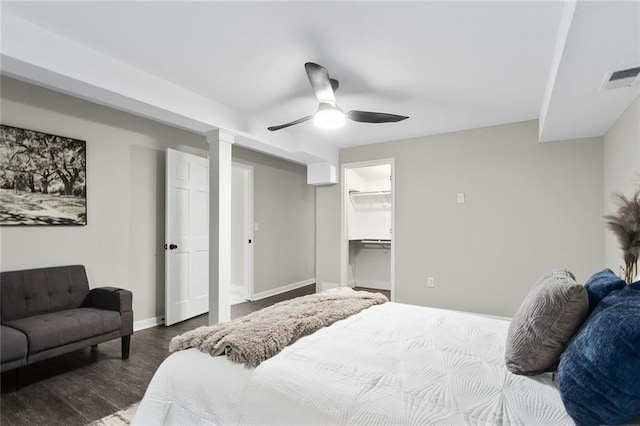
51 311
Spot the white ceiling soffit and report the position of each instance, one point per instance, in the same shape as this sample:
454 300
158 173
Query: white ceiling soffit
601 38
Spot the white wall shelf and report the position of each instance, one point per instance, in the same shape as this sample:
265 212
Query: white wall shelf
371 199
371 241
369 193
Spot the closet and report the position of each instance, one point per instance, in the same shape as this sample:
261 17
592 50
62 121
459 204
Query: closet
368 217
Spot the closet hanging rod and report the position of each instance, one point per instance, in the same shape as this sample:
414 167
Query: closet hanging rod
365 193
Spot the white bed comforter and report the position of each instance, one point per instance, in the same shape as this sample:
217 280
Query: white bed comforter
391 364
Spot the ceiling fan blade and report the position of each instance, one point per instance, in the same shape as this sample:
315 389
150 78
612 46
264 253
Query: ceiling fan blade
374 117
334 85
320 82
298 121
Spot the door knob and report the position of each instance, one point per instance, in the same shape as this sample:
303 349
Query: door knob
249 241
172 246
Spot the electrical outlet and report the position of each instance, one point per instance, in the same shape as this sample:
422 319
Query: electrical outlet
431 282
461 198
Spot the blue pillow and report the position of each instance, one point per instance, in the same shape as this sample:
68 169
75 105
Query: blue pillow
599 372
600 285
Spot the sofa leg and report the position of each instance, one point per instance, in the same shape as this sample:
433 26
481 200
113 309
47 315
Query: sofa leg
18 373
94 347
126 343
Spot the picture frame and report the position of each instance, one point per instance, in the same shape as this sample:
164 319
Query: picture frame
42 179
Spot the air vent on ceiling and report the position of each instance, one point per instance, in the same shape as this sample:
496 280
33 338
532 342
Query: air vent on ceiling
620 79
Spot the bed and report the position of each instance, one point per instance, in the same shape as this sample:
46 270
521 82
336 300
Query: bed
389 364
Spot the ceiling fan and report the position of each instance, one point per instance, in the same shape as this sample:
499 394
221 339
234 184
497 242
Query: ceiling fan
329 115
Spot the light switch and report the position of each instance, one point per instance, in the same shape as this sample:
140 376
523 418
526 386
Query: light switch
256 227
460 197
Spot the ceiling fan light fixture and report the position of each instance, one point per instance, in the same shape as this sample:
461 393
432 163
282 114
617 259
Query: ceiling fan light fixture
329 117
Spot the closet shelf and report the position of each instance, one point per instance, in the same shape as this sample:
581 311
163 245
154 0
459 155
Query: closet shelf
371 241
368 193
370 199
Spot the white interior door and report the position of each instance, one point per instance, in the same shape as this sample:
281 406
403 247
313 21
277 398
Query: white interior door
187 236
241 232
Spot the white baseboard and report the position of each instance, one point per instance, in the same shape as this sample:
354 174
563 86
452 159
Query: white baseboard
147 323
284 288
378 285
152 322
320 287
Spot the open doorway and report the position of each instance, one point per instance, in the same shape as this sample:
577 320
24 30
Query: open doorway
367 225
241 233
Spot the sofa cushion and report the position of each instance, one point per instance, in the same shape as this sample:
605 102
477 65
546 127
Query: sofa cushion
59 328
38 291
13 344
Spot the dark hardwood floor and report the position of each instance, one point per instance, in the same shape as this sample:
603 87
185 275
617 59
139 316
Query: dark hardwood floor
385 292
86 385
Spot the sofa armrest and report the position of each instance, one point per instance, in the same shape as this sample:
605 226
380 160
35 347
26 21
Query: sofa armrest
111 298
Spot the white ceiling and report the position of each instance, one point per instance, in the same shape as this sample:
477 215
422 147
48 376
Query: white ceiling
448 65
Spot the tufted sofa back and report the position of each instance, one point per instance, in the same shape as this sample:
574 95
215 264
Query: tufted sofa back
38 291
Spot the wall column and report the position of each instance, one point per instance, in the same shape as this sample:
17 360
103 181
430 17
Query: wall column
220 142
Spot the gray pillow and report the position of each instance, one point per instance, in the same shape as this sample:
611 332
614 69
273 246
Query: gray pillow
552 312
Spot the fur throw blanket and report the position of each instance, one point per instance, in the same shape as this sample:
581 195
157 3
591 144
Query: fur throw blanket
262 334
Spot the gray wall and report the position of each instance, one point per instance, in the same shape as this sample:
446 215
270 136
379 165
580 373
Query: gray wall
122 245
284 208
621 172
529 207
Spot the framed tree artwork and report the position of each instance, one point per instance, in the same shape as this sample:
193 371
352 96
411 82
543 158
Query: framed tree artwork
42 178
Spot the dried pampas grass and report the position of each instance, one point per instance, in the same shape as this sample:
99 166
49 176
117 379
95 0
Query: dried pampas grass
625 225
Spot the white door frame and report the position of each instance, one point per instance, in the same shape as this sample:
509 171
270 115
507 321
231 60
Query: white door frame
248 201
344 234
